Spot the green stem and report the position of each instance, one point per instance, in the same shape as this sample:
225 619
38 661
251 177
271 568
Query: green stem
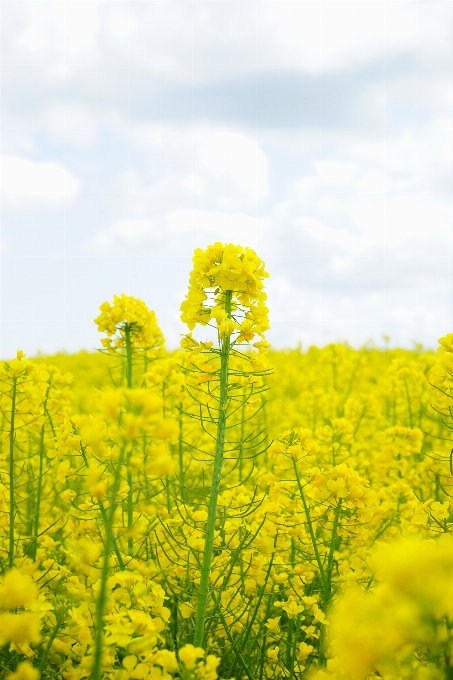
130 479
11 476
130 509
105 518
328 590
232 642
38 496
174 624
312 533
50 641
241 449
181 457
127 337
244 637
289 648
263 657
112 535
102 597
322 647
208 551
39 489
409 409
333 545
292 662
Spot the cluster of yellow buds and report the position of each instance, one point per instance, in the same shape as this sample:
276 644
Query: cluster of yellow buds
441 376
217 270
378 632
129 315
191 663
293 445
430 517
340 482
22 628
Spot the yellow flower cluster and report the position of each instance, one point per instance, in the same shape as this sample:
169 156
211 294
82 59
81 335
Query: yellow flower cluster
128 320
408 612
23 628
221 269
321 471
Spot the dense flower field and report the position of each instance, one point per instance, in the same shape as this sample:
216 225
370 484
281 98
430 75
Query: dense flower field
225 510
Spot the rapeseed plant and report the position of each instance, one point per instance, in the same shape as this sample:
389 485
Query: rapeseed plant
225 510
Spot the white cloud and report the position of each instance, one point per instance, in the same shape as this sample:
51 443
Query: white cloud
325 234
394 220
335 172
121 24
70 123
235 159
59 27
191 166
206 41
330 36
124 233
178 233
60 124
377 194
35 185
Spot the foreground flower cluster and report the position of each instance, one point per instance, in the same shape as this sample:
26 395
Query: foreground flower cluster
225 511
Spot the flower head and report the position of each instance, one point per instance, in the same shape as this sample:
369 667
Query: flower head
129 317
189 655
17 590
24 671
222 269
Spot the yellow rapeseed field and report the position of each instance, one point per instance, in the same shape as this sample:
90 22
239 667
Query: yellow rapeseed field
225 510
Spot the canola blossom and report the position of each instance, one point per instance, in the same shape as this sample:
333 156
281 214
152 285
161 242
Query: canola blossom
225 510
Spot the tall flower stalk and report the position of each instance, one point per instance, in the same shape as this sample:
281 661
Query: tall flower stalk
226 293
101 604
12 475
215 484
134 335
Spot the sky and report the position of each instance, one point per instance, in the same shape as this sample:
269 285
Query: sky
318 133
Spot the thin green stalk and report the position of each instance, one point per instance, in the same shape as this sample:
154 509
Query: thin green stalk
52 637
11 476
325 578
244 637
333 542
38 495
227 576
130 508
112 535
202 603
241 451
130 479
174 624
233 644
292 662
181 456
289 647
39 488
105 519
328 591
311 532
263 657
127 337
102 597
262 629
409 409
322 646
